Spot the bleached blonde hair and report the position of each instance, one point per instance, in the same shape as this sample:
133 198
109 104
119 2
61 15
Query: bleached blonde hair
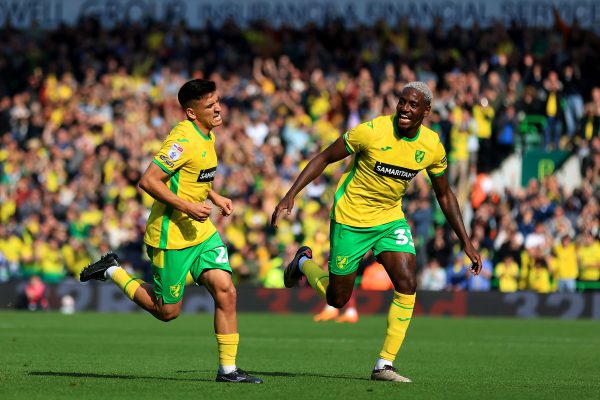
421 87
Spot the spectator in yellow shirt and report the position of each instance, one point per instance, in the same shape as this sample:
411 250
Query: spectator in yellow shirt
51 261
539 277
483 114
589 258
566 264
459 155
507 272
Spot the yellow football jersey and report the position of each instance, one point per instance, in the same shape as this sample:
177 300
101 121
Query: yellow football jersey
189 157
371 189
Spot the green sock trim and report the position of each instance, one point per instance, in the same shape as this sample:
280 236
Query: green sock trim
321 278
401 306
403 319
128 282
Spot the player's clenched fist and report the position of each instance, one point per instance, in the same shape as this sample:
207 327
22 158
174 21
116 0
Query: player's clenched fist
198 211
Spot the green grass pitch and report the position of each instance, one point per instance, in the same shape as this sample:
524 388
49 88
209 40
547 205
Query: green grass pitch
128 356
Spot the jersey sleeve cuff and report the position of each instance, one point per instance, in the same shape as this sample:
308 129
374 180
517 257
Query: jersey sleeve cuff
347 147
167 170
438 174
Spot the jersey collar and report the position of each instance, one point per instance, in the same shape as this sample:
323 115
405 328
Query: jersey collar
205 137
395 124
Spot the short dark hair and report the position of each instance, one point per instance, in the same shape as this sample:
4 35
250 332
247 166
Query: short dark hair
195 90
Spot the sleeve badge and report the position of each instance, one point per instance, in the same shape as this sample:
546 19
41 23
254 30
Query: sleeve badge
175 152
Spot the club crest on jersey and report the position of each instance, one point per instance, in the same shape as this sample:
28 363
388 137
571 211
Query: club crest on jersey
419 155
175 152
175 289
341 261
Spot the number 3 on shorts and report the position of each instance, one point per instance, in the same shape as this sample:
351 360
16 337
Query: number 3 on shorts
404 237
222 257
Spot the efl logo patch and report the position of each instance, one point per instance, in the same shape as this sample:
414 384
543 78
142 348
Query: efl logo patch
341 261
419 155
175 152
175 289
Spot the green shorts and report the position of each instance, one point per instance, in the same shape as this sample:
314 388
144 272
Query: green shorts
350 244
170 267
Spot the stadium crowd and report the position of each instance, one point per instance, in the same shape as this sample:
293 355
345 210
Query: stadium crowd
84 108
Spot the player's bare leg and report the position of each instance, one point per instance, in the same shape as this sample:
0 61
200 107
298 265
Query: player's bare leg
346 313
144 297
401 267
340 289
136 289
335 289
220 286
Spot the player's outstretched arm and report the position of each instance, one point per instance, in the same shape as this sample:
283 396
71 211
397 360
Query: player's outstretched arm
153 183
335 152
449 206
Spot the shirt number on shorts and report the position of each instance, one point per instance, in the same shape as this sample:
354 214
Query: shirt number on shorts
222 257
404 237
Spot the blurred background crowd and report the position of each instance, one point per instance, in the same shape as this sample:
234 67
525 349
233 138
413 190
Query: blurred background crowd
83 109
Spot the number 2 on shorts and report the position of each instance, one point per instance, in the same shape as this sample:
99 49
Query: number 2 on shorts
222 257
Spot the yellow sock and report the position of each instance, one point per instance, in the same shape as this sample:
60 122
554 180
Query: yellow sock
227 345
126 282
398 320
317 278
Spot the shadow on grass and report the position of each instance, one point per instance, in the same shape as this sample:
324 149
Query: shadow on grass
261 374
112 376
